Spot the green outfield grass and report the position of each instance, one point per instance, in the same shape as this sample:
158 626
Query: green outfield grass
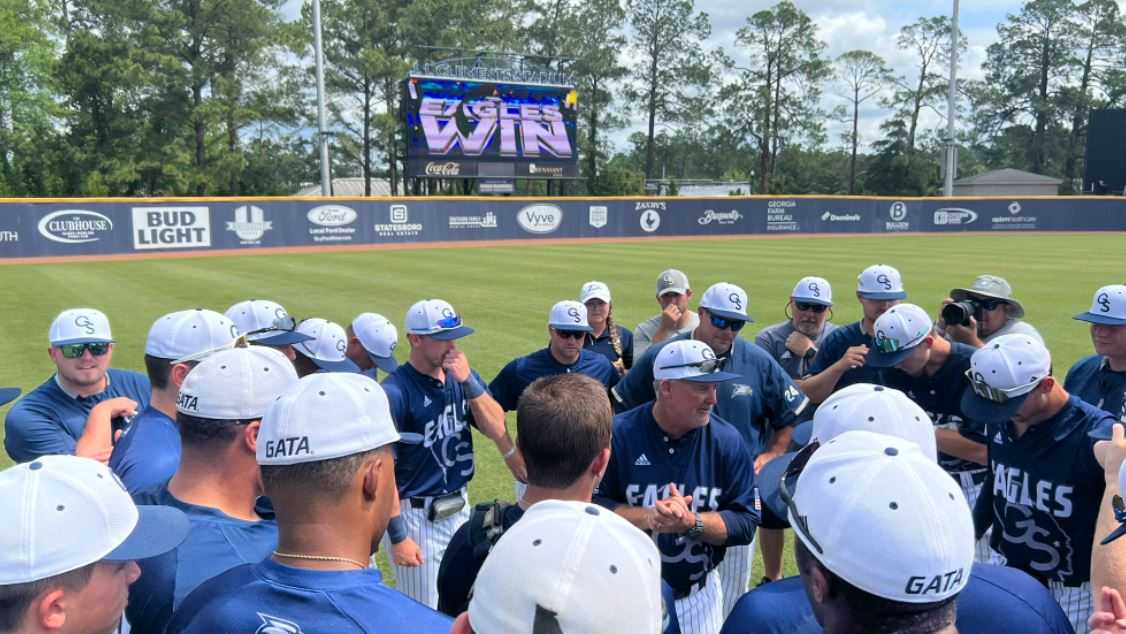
505 292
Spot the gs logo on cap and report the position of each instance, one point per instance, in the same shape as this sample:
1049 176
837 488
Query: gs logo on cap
735 300
448 312
574 314
1103 300
707 353
341 346
82 321
814 289
883 280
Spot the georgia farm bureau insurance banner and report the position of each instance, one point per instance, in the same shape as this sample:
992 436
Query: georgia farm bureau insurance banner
78 227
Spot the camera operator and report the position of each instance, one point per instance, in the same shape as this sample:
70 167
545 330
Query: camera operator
984 311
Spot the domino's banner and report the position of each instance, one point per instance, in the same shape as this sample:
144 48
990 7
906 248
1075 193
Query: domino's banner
40 228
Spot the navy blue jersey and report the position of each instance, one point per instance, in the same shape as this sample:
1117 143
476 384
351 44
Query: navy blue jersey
1092 380
49 421
711 464
148 453
216 543
271 597
1046 491
603 346
941 396
519 373
443 461
761 399
833 348
996 599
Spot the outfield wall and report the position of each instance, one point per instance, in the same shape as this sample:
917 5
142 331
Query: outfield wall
57 227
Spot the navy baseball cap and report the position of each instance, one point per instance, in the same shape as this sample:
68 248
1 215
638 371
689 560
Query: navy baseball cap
689 360
436 318
1003 374
898 332
1108 307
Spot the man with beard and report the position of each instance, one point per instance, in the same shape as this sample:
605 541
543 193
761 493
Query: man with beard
794 343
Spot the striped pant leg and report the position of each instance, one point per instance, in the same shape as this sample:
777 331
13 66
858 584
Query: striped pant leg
735 573
983 553
421 583
1076 603
702 611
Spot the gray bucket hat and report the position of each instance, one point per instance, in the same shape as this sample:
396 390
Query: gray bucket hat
992 287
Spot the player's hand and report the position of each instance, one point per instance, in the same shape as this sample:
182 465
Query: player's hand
515 464
762 459
101 455
853 358
406 553
671 316
117 407
1111 453
457 365
1110 617
674 513
798 344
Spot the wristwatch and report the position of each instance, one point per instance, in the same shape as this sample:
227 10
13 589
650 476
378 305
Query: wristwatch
809 354
697 528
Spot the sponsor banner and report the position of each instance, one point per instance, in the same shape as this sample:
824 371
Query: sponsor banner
399 223
781 216
249 225
171 227
1015 219
75 226
540 219
487 221
331 223
897 217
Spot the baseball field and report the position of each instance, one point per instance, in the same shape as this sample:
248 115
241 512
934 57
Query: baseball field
505 292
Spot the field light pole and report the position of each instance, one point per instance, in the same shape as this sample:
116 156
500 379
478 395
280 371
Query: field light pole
951 96
326 178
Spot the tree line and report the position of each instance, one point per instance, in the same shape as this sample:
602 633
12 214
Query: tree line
215 97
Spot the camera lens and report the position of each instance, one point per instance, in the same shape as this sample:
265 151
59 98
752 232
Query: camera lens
958 313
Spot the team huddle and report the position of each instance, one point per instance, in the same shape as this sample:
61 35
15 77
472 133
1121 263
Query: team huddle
935 473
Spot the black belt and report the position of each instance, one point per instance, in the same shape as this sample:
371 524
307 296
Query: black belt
680 593
422 502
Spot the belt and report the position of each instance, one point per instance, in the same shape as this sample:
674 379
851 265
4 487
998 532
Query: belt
423 502
680 593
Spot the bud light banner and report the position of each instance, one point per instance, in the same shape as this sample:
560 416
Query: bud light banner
122 226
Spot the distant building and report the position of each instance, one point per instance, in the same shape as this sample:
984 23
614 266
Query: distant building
351 186
1007 182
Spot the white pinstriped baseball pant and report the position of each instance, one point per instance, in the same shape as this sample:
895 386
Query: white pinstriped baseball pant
701 612
421 583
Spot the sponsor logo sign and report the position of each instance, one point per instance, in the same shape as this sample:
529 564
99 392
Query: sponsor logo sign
171 227
954 216
651 204
332 223
9 236
74 226
723 218
1015 220
400 226
540 218
829 216
544 170
488 221
449 168
780 215
650 220
898 214
599 215
250 224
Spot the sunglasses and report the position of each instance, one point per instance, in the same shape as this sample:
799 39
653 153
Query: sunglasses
990 304
706 366
814 308
723 323
449 323
996 394
76 350
287 324
787 489
570 334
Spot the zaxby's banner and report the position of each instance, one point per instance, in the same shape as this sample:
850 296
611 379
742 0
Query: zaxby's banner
78 227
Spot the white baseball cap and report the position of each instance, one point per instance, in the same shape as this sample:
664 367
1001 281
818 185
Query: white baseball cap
689 360
569 567
294 429
270 323
1108 306
898 332
1002 375
860 406
327 347
67 512
188 332
379 338
80 325
880 281
594 290
1121 529
436 318
236 384
569 315
813 290
727 301
672 281
865 497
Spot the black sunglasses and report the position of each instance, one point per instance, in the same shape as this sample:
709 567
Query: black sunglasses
707 366
815 308
990 304
76 350
787 488
570 334
722 322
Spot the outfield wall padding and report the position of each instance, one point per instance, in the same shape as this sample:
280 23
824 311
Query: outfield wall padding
51 228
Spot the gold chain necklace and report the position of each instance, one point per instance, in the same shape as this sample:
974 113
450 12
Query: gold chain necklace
321 558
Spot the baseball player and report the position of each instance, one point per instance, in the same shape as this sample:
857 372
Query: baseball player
148 452
324 351
932 371
317 579
372 340
606 337
266 323
1045 483
1100 379
217 484
794 343
841 361
51 419
680 471
995 599
438 396
762 403
567 326
673 294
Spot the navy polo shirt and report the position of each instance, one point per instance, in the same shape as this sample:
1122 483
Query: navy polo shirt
519 373
1092 380
148 453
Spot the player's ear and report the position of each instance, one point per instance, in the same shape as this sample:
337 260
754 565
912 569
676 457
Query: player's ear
1047 384
49 609
372 474
599 464
250 436
179 373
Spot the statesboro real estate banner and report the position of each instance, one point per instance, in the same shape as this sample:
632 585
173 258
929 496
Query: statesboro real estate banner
80 227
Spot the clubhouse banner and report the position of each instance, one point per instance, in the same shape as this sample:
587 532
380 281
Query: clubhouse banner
41 228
